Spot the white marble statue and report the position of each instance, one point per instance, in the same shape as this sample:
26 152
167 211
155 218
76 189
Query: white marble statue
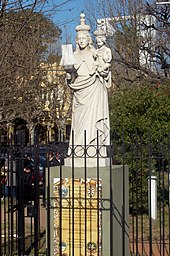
104 56
89 79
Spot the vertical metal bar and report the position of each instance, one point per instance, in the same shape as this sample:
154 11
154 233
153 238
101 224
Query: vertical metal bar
163 194
10 194
5 226
21 224
168 142
73 155
98 177
90 213
12 202
7 196
85 177
133 221
12 168
0 212
132 207
137 199
44 186
60 204
111 199
0 216
48 205
159 189
150 173
36 195
5 218
16 204
70 216
123 206
141 193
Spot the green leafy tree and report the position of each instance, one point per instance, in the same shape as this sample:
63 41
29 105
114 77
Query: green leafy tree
140 108
140 122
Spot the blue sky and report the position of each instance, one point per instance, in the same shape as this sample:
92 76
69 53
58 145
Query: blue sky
67 17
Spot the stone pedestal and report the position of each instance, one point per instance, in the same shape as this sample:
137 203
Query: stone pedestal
115 204
88 162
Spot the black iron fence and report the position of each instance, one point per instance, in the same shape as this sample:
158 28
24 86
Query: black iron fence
49 210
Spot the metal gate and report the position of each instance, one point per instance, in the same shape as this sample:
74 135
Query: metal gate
26 200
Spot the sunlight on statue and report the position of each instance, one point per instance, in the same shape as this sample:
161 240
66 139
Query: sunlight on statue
89 79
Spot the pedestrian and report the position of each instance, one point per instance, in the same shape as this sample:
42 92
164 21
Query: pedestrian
59 158
52 160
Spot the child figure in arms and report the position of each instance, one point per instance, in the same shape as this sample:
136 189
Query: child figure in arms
103 54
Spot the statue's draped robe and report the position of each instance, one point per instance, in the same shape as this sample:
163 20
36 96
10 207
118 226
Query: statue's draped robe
90 111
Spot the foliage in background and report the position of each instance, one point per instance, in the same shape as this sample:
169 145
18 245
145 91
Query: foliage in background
141 108
140 124
28 35
29 43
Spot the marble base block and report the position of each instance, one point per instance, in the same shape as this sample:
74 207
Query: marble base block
88 162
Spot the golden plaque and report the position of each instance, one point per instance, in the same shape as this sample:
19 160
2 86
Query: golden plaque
77 217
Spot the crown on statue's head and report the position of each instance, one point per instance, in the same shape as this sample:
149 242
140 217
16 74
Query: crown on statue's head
82 26
101 30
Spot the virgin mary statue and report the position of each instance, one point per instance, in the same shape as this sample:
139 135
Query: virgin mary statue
90 126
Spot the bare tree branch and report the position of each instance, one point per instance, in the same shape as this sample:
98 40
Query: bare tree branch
139 35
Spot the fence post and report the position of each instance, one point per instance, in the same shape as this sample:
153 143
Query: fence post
152 195
169 188
20 195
